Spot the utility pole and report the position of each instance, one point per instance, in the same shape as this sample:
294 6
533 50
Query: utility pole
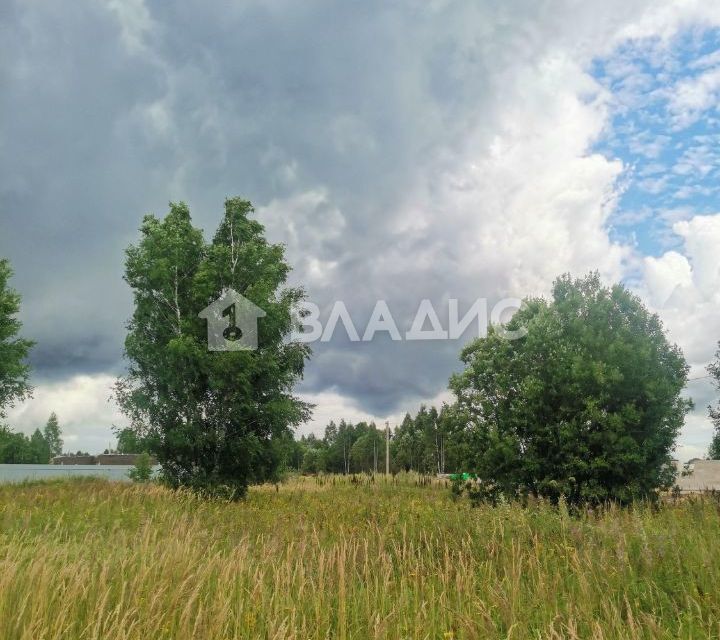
387 448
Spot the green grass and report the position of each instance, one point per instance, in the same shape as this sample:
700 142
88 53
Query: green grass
337 559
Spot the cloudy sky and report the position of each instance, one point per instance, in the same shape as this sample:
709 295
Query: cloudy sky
401 150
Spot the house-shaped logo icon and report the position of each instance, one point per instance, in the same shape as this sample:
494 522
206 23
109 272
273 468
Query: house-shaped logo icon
232 322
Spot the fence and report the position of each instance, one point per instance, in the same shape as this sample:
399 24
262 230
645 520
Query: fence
24 472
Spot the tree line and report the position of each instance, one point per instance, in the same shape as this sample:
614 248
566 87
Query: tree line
428 443
585 401
39 448
15 387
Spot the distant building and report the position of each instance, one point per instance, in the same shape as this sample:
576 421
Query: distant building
73 459
698 475
103 458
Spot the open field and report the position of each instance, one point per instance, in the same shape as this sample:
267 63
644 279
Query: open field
91 559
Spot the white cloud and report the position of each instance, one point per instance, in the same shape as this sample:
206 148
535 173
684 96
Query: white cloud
651 146
702 239
654 185
695 437
692 97
135 23
333 406
662 20
532 203
684 289
84 409
311 227
664 275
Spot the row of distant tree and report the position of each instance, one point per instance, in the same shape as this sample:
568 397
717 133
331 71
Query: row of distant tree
39 448
429 442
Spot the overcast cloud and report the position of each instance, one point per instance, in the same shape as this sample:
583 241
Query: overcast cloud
402 150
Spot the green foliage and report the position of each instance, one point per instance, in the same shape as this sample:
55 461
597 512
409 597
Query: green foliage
288 453
418 443
312 460
14 447
17 448
345 448
587 405
714 371
338 442
485 492
714 448
406 445
129 441
209 417
53 435
142 471
430 443
14 370
40 449
368 450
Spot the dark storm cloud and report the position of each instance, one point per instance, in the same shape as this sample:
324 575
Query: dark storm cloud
329 116
72 187
111 111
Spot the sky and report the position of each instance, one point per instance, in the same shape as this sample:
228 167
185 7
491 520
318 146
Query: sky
401 151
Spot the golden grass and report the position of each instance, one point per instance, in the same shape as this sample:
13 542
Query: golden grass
337 559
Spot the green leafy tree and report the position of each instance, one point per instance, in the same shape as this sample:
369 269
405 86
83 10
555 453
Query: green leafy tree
210 416
368 451
129 441
345 439
452 441
407 445
312 460
714 371
39 448
334 459
586 405
426 427
314 454
14 447
288 451
14 370
17 448
53 435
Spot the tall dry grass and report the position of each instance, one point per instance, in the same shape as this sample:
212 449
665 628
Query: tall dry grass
337 559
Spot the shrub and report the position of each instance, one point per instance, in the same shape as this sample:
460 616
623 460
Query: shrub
142 471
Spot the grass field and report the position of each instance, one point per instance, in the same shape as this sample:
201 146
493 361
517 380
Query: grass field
337 559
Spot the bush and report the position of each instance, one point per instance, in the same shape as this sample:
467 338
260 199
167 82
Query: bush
142 471
586 403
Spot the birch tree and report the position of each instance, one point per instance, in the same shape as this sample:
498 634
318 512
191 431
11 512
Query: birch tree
14 350
210 417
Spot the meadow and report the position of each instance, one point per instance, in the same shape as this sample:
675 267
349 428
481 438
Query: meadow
336 558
